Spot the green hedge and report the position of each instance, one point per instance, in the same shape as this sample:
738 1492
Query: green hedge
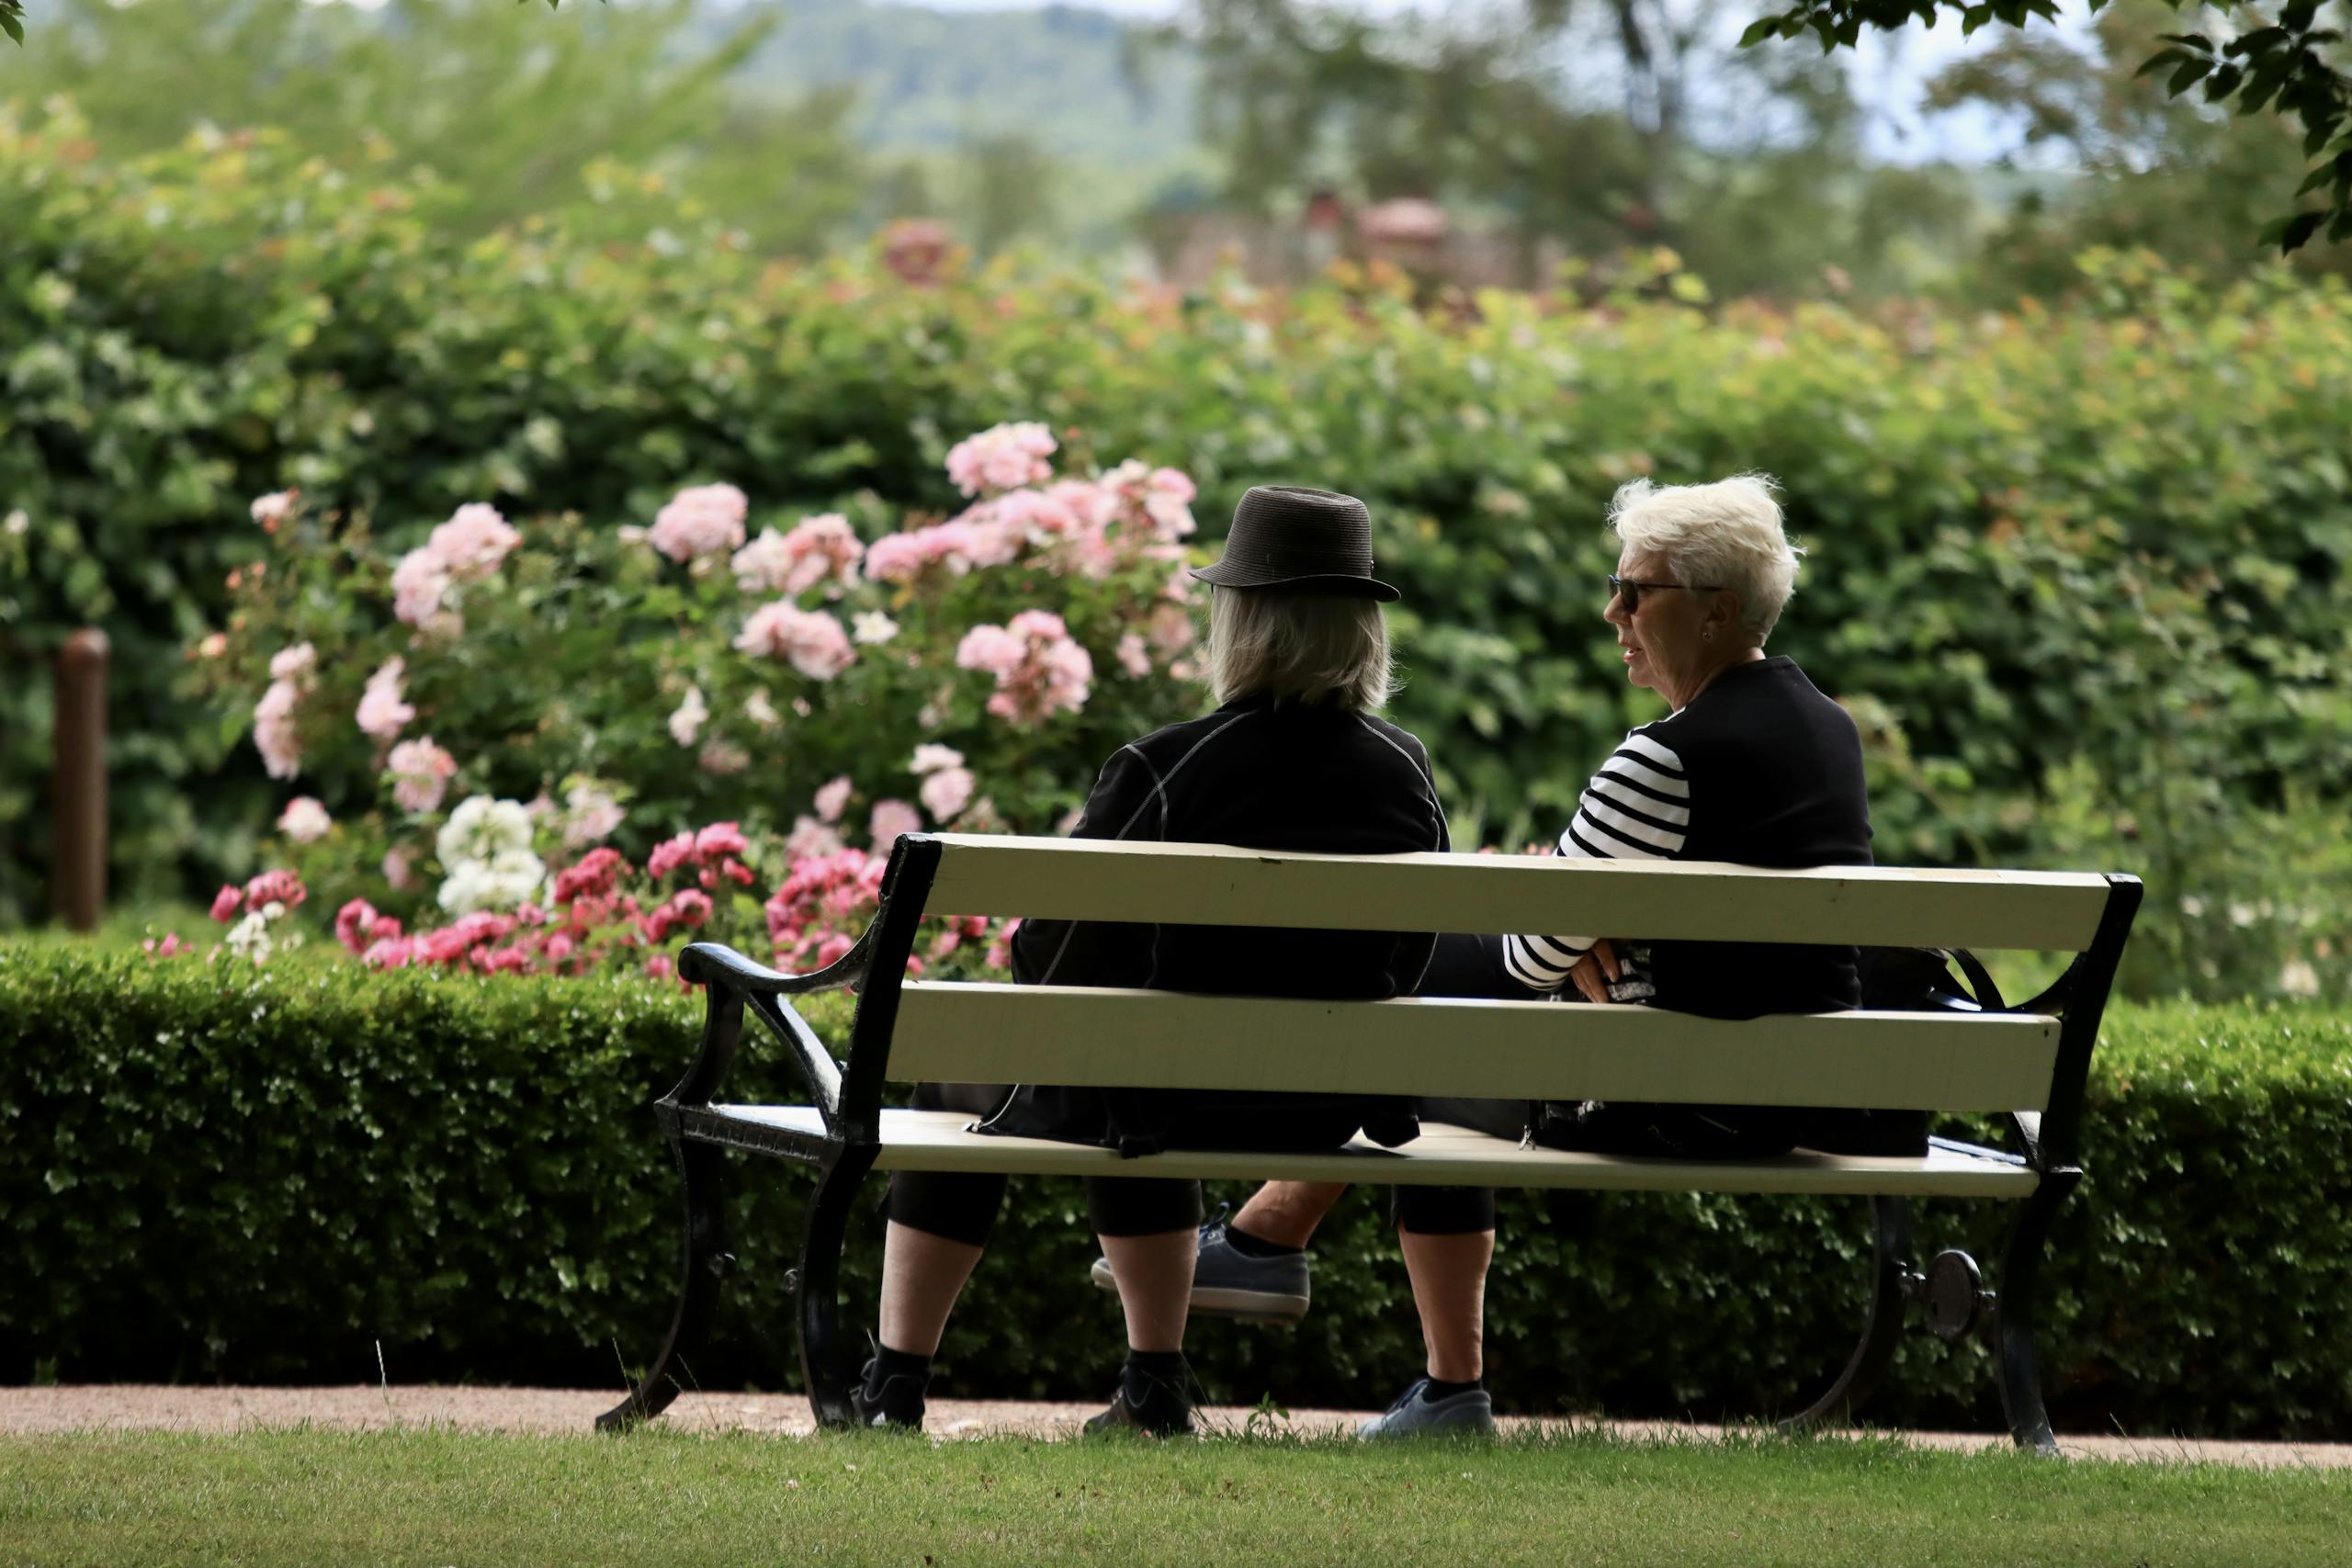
2081 573
210 1172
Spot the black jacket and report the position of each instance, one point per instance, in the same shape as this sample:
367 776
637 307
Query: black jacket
1256 775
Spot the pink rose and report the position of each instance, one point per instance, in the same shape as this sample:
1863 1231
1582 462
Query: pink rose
701 520
890 818
471 544
669 855
273 732
420 583
396 869
947 792
304 820
421 772
382 712
991 649
355 925
1004 457
832 798
689 907
719 841
273 887
821 548
1133 657
226 903
812 640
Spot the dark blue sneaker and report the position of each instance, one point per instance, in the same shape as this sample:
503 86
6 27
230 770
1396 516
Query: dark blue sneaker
1227 1283
1469 1414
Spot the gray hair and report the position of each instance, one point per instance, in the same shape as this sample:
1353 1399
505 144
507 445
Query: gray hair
1301 647
1725 534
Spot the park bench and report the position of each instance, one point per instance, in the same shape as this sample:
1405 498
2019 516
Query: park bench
2025 1065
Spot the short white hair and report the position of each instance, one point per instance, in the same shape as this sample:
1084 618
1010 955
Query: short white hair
1726 534
1301 647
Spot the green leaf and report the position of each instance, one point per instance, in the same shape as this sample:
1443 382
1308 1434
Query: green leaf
2194 40
2223 82
2158 62
2187 76
1974 18
12 27
1758 30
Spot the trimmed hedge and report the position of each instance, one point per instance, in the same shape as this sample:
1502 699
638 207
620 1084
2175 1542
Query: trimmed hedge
2080 573
260 1176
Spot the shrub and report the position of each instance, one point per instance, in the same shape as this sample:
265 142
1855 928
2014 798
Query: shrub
2080 571
219 1172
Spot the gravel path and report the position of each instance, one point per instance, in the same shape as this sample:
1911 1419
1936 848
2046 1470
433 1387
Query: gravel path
570 1412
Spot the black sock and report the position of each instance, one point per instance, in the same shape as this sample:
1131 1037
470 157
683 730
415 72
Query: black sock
1434 1389
1167 1366
1249 1246
889 1363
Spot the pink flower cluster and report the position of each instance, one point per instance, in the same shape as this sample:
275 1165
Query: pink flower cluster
421 773
812 640
275 734
1040 671
814 917
358 927
383 712
821 548
701 520
280 888
467 548
975 539
711 855
1004 457
948 783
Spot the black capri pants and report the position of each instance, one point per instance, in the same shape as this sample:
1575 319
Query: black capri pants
1464 966
962 1206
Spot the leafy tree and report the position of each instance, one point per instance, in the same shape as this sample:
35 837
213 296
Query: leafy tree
2157 174
2293 62
511 111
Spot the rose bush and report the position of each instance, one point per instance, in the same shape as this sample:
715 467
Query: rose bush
556 745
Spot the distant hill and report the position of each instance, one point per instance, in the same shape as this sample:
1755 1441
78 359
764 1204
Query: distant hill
932 81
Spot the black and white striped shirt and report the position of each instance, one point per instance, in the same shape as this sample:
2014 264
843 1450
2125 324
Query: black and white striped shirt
1761 769
1636 807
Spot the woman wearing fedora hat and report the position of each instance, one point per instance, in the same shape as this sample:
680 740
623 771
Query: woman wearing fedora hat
1294 758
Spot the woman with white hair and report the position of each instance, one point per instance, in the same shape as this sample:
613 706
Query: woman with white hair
1294 758
1751 765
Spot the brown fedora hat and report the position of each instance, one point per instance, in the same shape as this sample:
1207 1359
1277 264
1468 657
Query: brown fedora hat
1291 537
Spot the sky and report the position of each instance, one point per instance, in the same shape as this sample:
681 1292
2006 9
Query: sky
1889 73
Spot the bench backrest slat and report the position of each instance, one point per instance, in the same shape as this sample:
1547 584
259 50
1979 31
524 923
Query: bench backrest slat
1686 900
1061 1035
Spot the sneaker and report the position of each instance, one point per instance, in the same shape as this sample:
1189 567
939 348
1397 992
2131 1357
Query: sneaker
1152 1407
1227 1283
899 1403
1470 1414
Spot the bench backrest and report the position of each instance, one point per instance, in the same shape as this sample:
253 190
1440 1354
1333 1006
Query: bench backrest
2030 1059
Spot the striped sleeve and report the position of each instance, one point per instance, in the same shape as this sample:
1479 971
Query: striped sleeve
1636 807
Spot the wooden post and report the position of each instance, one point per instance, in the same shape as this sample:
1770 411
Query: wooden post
79 798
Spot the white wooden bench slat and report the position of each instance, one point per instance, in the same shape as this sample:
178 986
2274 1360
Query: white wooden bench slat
1686 900
1066 1035
937 1140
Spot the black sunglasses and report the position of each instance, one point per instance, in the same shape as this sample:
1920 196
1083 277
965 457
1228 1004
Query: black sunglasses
1630 591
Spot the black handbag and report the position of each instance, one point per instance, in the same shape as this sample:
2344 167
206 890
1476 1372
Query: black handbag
1904 979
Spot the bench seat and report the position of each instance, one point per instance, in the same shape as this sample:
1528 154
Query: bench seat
1441 1156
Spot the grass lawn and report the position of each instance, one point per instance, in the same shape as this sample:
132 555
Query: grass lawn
441 1497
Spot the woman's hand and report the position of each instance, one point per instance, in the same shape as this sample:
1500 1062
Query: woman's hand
1596 971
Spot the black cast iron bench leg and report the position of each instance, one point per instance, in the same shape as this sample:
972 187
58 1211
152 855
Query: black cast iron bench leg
2013 1318
824 1359
1882 1325
707 1264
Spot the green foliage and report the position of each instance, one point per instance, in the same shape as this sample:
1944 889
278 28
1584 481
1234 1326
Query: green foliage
513 112
212 1172
2080 572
